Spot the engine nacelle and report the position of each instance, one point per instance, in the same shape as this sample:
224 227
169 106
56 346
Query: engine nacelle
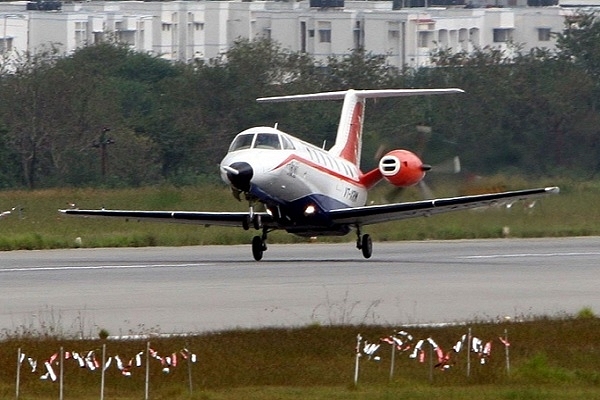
402 168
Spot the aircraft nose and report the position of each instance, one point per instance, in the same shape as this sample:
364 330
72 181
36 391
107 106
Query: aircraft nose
240 174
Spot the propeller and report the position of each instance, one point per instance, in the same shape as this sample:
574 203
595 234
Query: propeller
449 166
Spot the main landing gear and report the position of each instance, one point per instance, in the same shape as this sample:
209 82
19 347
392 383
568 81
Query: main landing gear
364 243
259 245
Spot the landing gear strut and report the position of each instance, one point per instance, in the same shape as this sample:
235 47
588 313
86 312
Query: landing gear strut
259 245
252 220
364 243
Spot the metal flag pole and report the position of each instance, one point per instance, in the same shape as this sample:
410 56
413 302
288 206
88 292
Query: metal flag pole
393 356
18 383
189 366
469 354
358 339
102 373
506 351
62 370
147 385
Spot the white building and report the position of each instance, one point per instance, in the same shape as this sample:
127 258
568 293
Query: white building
186 30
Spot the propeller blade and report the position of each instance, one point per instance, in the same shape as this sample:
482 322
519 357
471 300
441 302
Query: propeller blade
426 191
451 166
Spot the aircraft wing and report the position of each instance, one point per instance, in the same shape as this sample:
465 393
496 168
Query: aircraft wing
235 219
391 212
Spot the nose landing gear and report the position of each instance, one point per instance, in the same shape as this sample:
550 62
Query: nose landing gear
252 219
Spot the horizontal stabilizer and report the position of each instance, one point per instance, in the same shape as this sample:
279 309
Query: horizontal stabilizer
361 94
348 141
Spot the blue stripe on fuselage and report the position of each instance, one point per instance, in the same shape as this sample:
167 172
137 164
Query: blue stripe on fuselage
293 213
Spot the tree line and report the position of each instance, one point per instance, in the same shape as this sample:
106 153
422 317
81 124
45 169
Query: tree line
106 115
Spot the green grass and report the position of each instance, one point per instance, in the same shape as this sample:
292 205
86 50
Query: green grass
36 224
549 358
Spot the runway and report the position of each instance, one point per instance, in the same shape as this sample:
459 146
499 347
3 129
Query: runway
195 289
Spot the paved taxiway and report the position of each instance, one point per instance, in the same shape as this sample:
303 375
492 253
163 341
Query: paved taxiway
190 289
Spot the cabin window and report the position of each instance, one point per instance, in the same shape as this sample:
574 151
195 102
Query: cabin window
241 142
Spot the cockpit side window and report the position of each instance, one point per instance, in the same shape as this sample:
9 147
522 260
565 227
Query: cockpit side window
267 141
241 142
287 143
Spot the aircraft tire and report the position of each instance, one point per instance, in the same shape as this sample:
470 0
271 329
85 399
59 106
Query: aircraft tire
256 221
258 247
366 246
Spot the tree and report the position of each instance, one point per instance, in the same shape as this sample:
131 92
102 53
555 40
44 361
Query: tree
579 42
522 111
9 173
27 110
360 70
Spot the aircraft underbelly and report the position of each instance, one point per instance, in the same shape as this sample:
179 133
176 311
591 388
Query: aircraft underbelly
299 193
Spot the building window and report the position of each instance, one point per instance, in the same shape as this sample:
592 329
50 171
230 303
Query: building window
502 35
358 36
424 38
325 35
98 37
544 34
126 37
324 32
6 45
311 33
141 35
393 34
80 33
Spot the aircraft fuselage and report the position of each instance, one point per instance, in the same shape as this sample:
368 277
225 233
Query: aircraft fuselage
297 181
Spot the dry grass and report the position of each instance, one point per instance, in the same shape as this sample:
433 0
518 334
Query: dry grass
551 357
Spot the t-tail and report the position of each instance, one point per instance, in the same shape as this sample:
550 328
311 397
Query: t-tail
348 141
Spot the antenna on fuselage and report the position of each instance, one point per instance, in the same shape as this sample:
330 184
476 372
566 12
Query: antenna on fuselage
276 124
324 144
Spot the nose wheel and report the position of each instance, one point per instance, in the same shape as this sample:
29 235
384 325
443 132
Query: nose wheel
252 220
259 246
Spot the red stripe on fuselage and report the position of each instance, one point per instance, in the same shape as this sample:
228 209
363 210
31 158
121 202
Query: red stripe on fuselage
321 168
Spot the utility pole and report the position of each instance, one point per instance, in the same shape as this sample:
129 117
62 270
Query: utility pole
102 144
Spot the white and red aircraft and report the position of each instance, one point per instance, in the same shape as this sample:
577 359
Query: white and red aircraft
309 191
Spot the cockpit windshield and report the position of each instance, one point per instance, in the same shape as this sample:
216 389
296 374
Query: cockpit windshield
267 141
270 141
241 142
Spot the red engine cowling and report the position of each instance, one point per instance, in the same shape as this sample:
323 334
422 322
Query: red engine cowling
402 168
